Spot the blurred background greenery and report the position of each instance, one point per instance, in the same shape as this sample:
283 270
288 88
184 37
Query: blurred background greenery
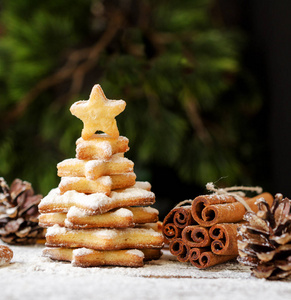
194 110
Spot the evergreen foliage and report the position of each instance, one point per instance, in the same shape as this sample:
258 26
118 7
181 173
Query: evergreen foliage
190 104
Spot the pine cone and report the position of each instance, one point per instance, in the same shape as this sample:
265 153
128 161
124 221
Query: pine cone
265 243
19 213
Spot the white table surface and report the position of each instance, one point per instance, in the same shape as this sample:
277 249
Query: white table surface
30 276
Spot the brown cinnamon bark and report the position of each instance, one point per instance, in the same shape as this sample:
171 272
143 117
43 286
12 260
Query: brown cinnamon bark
179 248
171 232
196 236
194 255
208 259
224 239
208 214
177 219
200 202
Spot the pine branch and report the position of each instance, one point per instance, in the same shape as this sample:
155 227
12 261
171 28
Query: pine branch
196 121
73 69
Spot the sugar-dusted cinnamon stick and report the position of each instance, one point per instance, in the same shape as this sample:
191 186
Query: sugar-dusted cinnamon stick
224 238
196 236
177 219
208 259
208 214
179 248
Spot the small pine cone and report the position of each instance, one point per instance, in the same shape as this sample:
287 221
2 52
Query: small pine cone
19 213
265 240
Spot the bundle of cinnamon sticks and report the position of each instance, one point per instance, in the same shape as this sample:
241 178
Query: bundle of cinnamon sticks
204 233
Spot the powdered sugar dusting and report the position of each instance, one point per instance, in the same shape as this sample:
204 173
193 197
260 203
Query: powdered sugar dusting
106 147
133 192
56 229
92 164
119 158
96 200
70 198
69 180
145 185
38 277
71 161
105 180
52 194
68 223
123 212
101 146
135 252
76 212
105 233
82 251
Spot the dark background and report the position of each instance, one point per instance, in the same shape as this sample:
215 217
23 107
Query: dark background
267 26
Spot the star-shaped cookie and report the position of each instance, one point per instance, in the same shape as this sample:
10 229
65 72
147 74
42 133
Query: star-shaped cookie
98 113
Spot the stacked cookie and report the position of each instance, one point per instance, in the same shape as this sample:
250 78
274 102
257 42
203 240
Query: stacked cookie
100 214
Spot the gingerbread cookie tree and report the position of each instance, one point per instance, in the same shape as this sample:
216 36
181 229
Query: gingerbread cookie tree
99 214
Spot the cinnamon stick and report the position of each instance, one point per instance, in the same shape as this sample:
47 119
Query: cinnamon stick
224 238
179 248
200 202
177 219
171 232
196 236
194 255
208 259
208 214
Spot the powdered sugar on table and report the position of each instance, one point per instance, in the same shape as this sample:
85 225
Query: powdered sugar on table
30 276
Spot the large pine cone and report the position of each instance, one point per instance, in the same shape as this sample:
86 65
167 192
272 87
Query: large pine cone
265 243
19 213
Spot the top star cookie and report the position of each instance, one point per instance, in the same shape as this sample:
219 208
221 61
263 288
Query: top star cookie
98 113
